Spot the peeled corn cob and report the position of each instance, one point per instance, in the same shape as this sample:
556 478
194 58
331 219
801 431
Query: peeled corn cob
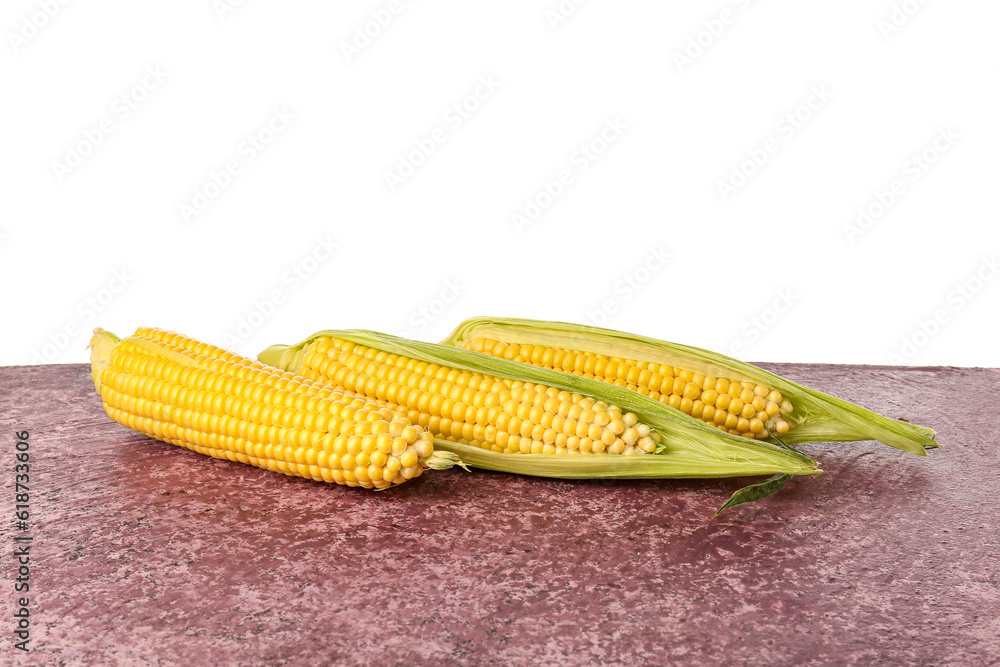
197 396
449 391
790 411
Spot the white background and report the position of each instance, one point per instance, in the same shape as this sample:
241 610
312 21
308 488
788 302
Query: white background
102 239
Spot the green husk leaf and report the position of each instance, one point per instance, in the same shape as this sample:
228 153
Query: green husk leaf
817 416
690 448
591 466
748 494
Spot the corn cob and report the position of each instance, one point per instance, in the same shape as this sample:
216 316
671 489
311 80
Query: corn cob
213 402
463 398
713 388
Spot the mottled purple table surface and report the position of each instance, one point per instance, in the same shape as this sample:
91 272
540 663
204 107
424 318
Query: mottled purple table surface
148 554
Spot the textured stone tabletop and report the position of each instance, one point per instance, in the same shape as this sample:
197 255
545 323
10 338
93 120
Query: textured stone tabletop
148 554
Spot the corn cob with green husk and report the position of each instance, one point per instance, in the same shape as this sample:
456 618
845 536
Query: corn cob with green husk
501 415
213 402
725 393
